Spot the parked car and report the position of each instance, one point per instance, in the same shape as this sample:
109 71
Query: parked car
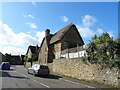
39 70
5 66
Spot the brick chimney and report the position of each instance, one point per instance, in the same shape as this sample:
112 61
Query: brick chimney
47 32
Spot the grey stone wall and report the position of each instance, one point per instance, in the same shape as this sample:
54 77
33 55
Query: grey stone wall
76 68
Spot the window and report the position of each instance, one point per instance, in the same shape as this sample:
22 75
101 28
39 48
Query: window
65 44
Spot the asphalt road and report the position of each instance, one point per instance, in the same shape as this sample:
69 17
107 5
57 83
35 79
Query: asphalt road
18 77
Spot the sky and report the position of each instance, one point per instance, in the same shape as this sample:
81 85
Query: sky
23 23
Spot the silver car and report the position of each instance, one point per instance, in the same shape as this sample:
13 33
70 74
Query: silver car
39 70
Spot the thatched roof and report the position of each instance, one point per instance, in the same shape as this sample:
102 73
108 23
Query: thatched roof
53 38
33 49
58 35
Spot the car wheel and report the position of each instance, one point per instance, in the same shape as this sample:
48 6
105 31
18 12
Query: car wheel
28 72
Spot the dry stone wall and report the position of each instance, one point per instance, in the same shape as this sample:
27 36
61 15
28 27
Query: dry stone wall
76 68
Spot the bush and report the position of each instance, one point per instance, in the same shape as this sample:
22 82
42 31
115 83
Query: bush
104 50
35 58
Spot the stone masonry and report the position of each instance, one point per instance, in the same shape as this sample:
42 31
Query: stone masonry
76 68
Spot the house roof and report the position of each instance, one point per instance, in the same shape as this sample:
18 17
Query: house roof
15 56
58 35
22 56
32 48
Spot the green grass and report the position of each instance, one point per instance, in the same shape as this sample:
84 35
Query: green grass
18 65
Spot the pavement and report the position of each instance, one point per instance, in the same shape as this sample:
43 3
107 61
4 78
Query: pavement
18 77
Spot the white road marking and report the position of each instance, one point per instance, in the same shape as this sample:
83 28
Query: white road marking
34 80
41 83
84 85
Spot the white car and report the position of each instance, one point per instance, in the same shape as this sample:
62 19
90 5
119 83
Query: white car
39 70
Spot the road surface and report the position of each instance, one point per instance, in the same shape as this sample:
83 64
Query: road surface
18 77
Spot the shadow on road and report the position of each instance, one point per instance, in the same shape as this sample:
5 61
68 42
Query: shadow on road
9 70
6 74
51 76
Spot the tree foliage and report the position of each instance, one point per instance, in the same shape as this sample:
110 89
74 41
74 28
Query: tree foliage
34 58
103 49
7 56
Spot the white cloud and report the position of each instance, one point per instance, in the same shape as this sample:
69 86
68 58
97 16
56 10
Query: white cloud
86 32
34 4
29 32
13 41
25 39
111 33
100 30
32 25
65 19
88 20
29 15
40 35
12 50
85 28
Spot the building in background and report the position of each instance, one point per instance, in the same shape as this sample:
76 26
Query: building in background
32 51
2 58
15 60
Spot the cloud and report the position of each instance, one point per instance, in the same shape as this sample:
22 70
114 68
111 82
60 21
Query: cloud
65 19
88 20
111 33
100 30
9 40
29 15
32 25
29 32
40 35
12 50
86 29
86 32
34 4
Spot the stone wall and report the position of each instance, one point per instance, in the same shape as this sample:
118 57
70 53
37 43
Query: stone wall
43 54
76 68
57 47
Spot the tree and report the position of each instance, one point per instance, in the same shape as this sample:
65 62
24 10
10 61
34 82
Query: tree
7 56
35 58
91 50
30 60
104 49
25 60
